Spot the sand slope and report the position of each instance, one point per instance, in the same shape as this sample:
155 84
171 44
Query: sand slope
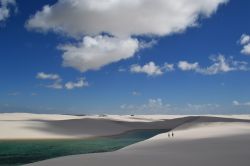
34 126
198 141
37 126
228 151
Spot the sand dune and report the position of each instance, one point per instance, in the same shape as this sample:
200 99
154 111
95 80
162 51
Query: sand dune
198 141
33 126
222 151
36 126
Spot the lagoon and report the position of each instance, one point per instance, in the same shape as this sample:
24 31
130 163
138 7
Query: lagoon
19 152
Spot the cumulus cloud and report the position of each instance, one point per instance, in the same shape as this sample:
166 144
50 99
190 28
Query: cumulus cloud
5 8
89 19
245 42
95 52
244 39
57 81
220 64
151 69
237 103
47 76
246 49
121 18
184 65
79 84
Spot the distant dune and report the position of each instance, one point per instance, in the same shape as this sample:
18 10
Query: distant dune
42 126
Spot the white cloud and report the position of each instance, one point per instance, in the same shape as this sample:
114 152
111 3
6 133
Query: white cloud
245 42
58 82
220 64
122 18
89 19
149 44
184 65
246 49
47 76
79 84
5 8
237 103
223 65
151 69
244 39
94 52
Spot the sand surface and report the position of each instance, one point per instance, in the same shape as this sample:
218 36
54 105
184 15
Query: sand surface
198 140
45 126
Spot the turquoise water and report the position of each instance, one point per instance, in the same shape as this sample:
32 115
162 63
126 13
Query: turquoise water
18 152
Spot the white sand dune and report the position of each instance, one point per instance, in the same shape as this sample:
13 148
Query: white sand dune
198 141
42 126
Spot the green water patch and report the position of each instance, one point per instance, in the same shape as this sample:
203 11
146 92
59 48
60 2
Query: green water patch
19 152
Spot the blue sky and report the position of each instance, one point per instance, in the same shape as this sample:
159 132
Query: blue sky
190 60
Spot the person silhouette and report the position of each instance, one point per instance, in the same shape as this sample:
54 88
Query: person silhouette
168 135
172 134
